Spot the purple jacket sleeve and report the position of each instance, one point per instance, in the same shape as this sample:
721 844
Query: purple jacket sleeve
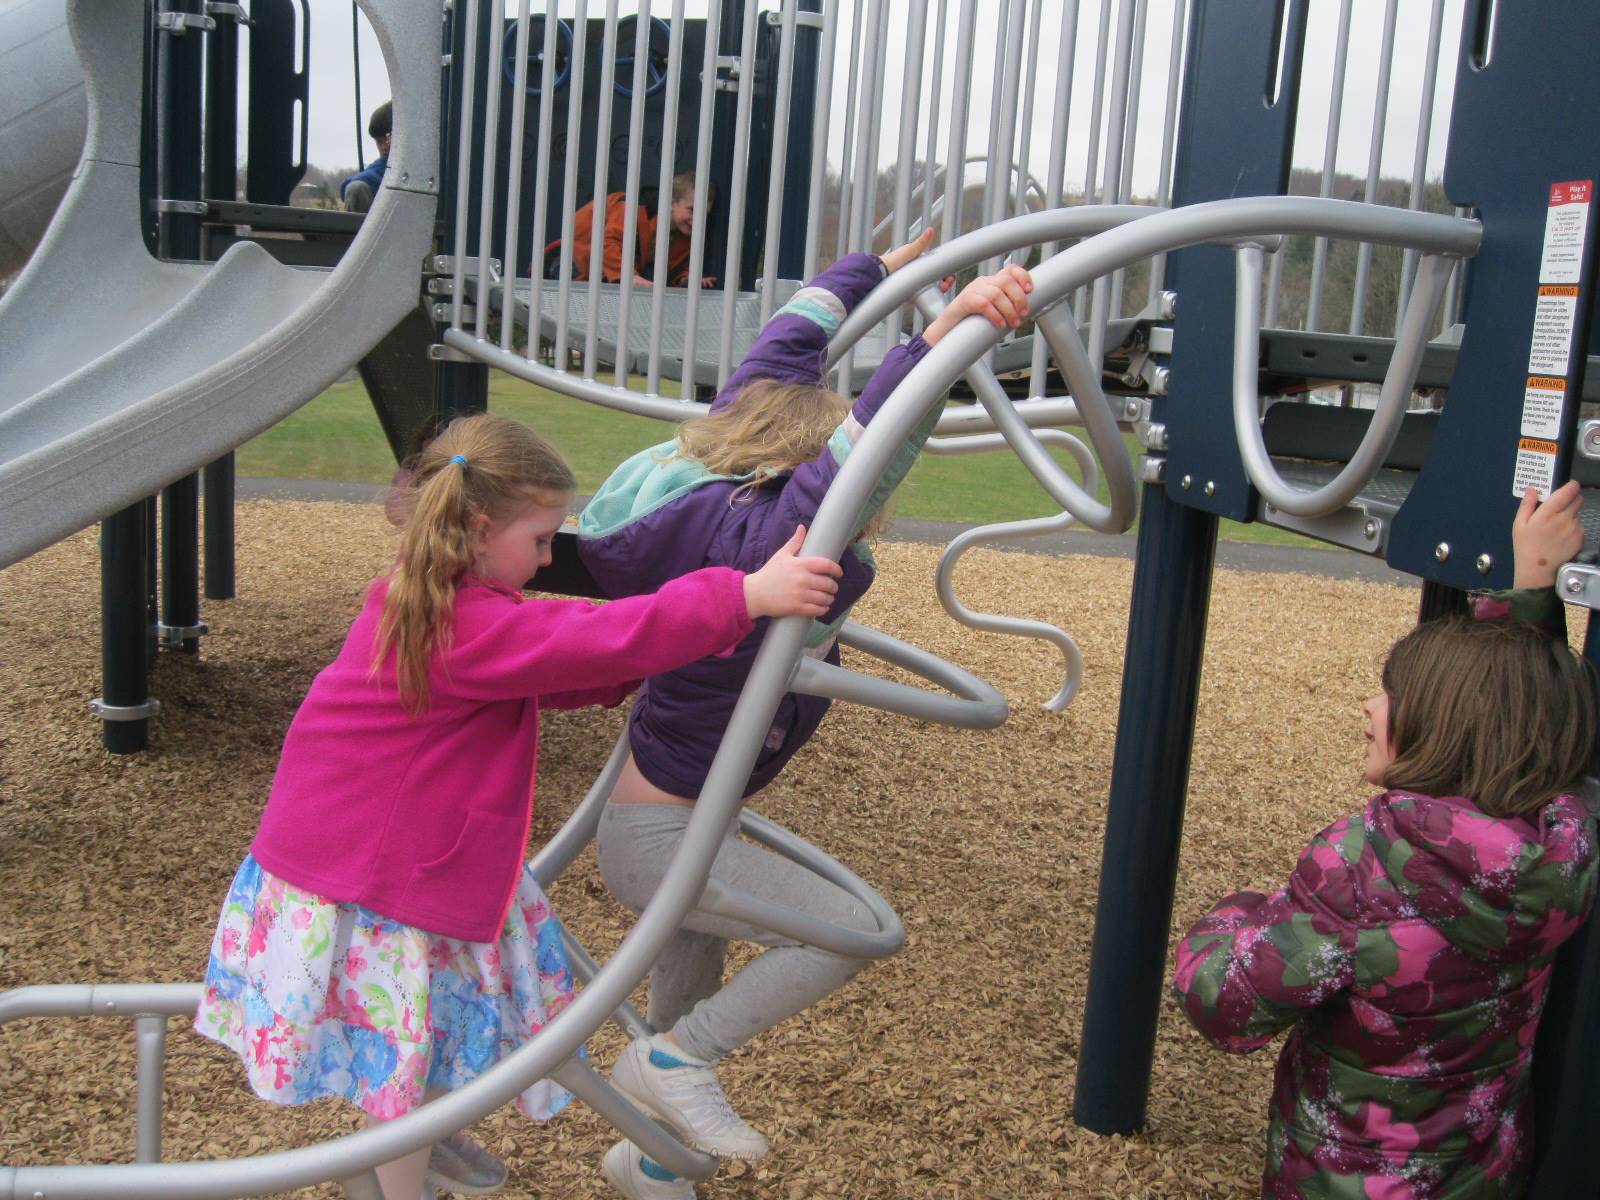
793 345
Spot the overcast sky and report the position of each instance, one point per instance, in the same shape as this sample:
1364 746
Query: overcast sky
334 121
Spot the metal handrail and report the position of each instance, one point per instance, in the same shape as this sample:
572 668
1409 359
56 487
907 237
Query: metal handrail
1433 273
1013 531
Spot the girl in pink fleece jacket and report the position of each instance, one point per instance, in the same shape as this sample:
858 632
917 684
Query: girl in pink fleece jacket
383 940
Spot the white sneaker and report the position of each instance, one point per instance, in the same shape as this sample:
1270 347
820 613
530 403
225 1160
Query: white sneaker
638 1178
687 1096
458 1164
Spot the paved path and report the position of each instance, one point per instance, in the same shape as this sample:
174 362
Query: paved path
1241 556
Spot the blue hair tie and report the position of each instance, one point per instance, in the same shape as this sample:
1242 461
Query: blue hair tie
459 458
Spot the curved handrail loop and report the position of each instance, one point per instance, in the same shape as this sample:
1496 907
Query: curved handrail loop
1433 274
1014 531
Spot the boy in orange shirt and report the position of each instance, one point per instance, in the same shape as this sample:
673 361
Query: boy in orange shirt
685 206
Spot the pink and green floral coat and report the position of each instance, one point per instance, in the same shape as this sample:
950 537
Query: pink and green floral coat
1409 956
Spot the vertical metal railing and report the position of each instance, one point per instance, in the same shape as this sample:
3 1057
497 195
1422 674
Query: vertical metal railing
669 140
1100 89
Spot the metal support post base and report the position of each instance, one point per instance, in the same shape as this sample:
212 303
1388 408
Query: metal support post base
1144 820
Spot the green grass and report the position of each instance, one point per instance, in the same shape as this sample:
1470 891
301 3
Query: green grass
336 437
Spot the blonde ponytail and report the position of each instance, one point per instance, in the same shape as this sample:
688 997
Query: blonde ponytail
480 467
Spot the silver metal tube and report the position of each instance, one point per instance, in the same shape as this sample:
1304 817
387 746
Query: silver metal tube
519 117
1169 127
1129 138
585 968
541 193
955 169
866 158
467 95
486 190
1380 111
1010 531
150 1037
935 79
577 831
842 242
780 160
1002 104
1319 253
630 188
602 171
669 140
819 135
1451 307
702 173
1419 162
1097 100
741 176
1432 272
1030 88
906 149
1111 180
569 187
1056 175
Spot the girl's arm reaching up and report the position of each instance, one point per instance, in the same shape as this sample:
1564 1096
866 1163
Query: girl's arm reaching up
1001 299
1543 537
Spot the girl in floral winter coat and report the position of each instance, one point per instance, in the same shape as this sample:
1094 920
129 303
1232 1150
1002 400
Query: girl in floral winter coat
1411 950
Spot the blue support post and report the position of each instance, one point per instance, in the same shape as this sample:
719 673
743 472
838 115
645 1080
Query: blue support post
221 183
1144 820
1235 142
124 628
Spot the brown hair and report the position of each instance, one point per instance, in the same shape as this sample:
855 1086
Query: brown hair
771 428
1496 711
684 186
507 467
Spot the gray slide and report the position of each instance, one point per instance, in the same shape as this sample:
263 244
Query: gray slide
121 373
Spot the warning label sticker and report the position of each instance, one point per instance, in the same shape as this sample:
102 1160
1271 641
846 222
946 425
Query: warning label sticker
1542 401
1536 467
1553 317
1565 222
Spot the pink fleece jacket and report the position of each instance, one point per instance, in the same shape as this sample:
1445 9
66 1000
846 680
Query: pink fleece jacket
425 818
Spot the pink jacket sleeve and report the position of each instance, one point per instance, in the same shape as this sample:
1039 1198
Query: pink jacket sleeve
566 649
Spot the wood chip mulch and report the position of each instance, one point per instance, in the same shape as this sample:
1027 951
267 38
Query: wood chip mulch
947 1071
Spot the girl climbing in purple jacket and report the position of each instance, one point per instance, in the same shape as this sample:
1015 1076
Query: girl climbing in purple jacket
1411 950
383 941
721 494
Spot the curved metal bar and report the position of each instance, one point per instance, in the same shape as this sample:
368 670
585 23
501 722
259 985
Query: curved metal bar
1015 531
989 242
578 830
626 1017
1433 272
1060 329
976 704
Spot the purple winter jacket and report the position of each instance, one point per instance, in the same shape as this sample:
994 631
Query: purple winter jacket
658 517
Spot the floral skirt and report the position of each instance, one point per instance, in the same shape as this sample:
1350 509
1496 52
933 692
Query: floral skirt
322 999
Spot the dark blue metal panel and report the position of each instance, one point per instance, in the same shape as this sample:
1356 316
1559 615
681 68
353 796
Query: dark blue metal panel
1527 119
1234 140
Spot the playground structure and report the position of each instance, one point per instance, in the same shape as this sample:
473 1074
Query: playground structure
77 448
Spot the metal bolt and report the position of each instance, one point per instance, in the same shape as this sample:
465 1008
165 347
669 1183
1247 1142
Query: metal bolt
1169 306
405 176
1442 551
1187 482
1574 585
1160 380
1211 488
1370 530
1485 564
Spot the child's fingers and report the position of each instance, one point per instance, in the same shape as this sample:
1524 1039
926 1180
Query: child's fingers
819 565
1525 508
796 540
1566 498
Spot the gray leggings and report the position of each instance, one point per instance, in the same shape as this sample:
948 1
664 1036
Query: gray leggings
636 844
